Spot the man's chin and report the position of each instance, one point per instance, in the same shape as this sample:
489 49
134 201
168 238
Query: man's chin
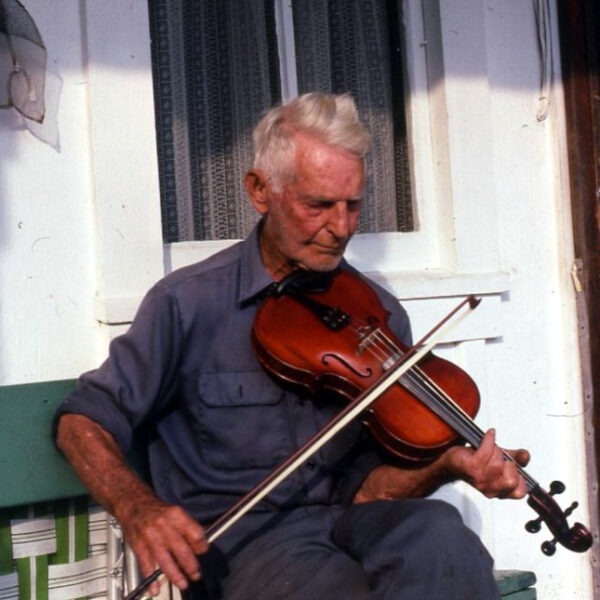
323 265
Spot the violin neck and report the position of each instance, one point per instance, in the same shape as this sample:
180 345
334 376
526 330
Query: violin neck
430 394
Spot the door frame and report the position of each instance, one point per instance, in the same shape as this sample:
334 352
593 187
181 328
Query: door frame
579 26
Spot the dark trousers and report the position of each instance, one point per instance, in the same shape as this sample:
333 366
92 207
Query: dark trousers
389 550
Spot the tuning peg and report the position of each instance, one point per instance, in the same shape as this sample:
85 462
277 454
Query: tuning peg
533 526
549 548
556 487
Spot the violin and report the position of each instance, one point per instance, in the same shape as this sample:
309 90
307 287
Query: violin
329 331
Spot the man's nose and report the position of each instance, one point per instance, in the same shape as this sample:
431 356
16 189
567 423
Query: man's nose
340 221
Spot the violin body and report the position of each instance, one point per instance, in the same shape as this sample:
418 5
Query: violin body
336 338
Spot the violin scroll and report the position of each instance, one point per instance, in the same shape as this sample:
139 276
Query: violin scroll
576 538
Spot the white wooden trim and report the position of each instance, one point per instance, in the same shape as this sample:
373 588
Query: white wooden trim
115 311
439 283
413 289
287 48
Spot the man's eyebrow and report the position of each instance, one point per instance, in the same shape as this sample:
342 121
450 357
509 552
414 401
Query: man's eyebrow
308 198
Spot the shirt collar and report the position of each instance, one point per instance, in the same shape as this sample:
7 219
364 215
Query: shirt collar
254 278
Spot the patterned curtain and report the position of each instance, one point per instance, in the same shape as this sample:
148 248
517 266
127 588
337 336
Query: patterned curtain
214 74
354 46
216 70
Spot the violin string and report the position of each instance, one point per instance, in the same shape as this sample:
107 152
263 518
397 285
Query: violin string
461 420
442 397
427 384
387 352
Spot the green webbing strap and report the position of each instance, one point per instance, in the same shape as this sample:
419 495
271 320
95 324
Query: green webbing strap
72 531
33 577
32 570
8 578
6 559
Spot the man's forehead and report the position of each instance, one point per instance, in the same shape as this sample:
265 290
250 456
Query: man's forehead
310 145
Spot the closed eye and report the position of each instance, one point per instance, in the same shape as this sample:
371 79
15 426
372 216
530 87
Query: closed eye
353 204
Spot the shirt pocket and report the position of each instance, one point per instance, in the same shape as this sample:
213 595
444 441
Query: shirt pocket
243 421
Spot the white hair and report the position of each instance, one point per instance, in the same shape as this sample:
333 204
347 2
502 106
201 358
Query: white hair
332 119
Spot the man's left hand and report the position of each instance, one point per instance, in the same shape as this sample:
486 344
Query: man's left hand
487 468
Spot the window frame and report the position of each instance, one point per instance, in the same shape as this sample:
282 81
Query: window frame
386 252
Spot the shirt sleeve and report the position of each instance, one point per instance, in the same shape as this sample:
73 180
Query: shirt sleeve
137 378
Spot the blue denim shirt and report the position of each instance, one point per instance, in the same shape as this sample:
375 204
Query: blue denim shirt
217 424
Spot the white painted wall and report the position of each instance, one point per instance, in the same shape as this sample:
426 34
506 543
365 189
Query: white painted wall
47 275
80 231
509 194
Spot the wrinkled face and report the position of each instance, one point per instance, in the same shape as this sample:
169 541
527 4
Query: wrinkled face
309 223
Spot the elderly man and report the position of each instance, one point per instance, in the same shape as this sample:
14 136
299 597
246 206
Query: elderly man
348 524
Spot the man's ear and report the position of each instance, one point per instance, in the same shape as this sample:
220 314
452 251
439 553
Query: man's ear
257 188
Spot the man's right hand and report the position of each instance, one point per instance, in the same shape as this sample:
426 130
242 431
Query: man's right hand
162 536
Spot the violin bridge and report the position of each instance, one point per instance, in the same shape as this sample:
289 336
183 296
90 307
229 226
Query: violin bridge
373 341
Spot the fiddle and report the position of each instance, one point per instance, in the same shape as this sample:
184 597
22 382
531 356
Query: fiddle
328 331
